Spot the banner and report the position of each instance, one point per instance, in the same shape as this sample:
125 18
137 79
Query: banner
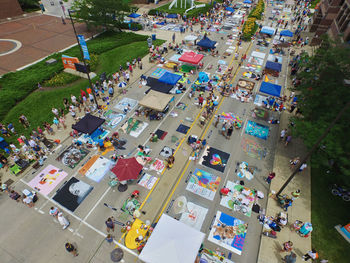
69 62
84 47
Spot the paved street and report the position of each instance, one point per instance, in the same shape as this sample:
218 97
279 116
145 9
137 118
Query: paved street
34 236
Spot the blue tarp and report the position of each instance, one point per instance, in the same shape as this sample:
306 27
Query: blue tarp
134 15
267 30
206 43
274 66
203 77
271 89
171 16
161 23
247 2
3 143
169 78
230 9
286 33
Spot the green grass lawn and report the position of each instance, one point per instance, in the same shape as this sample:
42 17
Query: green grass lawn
327 212
37 106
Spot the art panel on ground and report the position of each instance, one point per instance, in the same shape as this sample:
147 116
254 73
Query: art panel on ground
72 193
228 232
148 181
47 179
240 199
124 103
113 119
96 168
72 156
134 127
203 183
194 216
214 158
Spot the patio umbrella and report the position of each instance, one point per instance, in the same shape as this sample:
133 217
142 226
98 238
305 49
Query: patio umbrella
127 169
121 84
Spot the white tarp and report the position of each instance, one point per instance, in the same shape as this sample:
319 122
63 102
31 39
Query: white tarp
190 38
172 242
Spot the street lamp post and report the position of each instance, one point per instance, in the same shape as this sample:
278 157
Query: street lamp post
82 55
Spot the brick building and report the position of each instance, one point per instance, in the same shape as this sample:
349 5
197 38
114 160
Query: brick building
332 17
10 8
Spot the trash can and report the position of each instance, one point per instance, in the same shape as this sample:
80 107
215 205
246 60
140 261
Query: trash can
153 36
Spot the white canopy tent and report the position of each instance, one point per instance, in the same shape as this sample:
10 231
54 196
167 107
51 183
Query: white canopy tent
156 100
172 242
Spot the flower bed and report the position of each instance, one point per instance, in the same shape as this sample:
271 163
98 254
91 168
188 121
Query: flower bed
258 10
249 28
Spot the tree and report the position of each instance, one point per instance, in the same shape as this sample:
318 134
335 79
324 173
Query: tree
107 13
323 93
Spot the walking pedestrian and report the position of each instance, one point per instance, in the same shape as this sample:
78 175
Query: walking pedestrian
283 134
311 254
291 258
270 177
288 139
63 122
71 249
302 167
24 121
287 246
229 131
224 191
200 100
110 224
62 220
54 211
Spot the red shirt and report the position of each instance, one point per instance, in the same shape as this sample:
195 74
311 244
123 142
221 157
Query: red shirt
200 99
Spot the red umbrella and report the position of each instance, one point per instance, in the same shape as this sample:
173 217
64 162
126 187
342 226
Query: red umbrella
127 169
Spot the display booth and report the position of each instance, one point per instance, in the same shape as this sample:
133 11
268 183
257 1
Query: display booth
191 58
267 30
270 89
173 242
155 104
206 43
273 68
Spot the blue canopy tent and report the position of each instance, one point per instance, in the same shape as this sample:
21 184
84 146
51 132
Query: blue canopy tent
3 143
134 15
273 66
230 9
170 78
160 23
267 30
270 89
286 33
247 2
203 77
206 43
171 16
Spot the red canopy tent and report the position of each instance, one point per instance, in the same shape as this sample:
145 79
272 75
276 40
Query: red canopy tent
191 57
127 169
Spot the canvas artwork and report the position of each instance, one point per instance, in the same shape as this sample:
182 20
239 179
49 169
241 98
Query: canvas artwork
203 183
228 232
113 119
257 130
245 171
157 165
72 193
148 181
72 156
214 158
194 216
124 103
134 127
166 152
96 168
253 149
47 179
240 199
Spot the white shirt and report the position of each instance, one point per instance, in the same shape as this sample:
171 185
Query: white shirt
283 133
55 111
32 143
91 97
74 99
303 166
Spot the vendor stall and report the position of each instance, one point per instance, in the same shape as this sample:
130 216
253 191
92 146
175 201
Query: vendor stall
273 68
191 58
206 43
155 103
267 30
270 89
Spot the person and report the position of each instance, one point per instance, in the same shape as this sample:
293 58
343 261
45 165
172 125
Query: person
28 201
54 211
62 220
229 131
55 111
71 249
294 161
311 254
110 224
270 177
288 139
111 91
170 161
224 191
302 167
200 100
283 133
291 258
24 121
295 194
287 246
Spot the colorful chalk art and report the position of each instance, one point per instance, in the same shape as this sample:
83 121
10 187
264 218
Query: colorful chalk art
203 183
253 149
